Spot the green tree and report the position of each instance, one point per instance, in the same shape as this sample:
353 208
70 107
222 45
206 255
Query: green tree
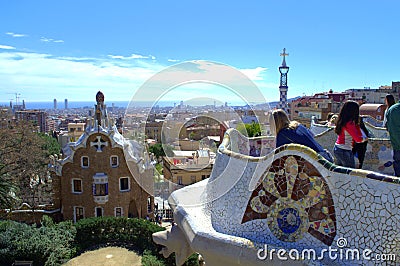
255 129
23 162
157 150
160 150
50 144
249 130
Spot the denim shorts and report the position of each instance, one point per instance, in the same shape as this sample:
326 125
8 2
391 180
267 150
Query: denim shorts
344 157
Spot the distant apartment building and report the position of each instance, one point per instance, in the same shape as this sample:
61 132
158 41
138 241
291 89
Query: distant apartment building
368 95
69 129
75 130
5 117
188 145
153 130
319 105
37 117
396 90
51 125
202 126
65 121
188 167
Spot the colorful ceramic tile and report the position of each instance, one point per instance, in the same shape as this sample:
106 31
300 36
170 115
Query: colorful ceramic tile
293 202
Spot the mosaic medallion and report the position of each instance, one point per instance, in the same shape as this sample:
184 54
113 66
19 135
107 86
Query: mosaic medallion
295 199
288 220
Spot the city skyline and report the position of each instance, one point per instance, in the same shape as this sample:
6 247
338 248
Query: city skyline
65 51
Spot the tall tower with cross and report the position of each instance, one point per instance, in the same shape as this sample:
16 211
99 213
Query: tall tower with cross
283 87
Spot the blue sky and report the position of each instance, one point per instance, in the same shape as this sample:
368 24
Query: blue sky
72 49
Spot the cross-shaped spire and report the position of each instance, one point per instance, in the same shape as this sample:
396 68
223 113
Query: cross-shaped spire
99 144
284 54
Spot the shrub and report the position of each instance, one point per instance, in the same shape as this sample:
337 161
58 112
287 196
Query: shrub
105 230
47 245
54 244
150 260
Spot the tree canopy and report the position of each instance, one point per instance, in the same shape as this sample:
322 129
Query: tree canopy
160 150
250 130
23 160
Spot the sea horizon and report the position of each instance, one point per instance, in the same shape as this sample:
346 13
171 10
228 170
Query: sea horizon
90 104
86 104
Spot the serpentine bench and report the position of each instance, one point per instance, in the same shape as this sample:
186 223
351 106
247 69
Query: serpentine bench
290 206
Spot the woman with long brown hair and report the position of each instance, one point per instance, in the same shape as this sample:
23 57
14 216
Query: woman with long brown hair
348 131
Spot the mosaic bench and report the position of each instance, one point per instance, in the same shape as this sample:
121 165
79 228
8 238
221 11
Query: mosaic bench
378 157
316 128
378 132
375 126
291 199
373 121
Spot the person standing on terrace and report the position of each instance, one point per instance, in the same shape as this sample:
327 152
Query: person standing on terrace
328 118
332 121
348 131
287 132
393 126
359 149
389 101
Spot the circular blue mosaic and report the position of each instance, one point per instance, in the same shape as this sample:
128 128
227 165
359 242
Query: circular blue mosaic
289 220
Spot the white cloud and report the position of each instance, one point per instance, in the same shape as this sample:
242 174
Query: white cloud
138 56
215 80
16 35
6 47
41 77
133 56
173 60
44 39
255 74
